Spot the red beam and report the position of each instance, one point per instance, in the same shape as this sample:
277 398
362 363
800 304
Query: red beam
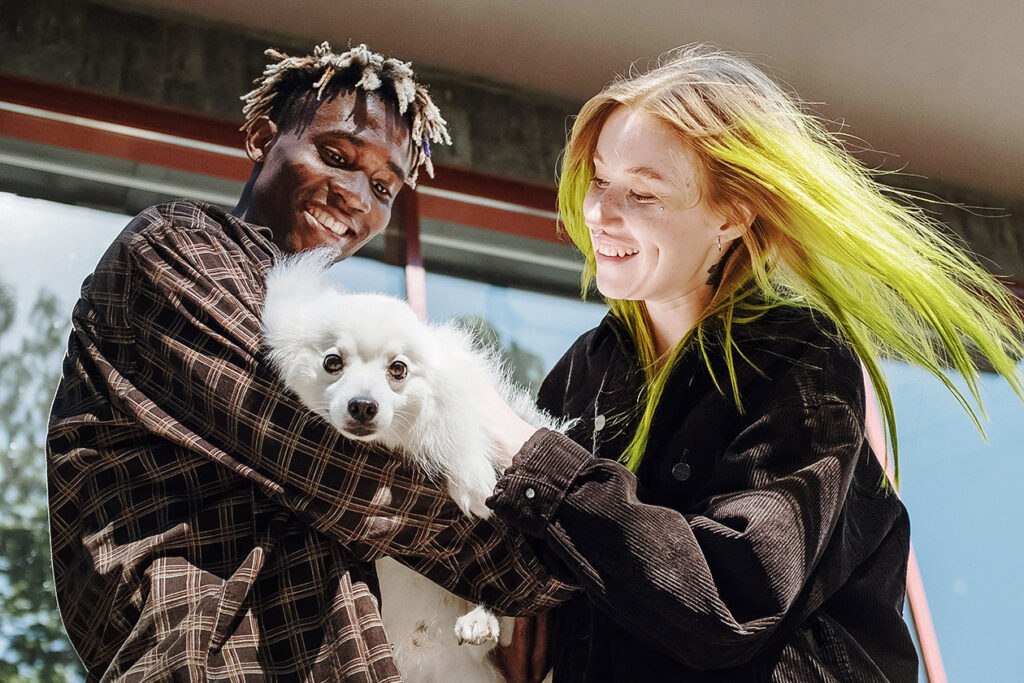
1016 287
193 127
499 220
492 187
124 112
130 148
920 615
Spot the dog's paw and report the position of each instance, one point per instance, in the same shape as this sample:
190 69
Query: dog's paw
477 627
472 501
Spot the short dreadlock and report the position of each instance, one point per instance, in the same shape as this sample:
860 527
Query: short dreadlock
291 77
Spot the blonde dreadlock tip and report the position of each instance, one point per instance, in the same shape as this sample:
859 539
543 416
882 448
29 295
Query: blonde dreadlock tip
412 99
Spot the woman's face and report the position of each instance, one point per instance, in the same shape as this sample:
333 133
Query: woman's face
654 236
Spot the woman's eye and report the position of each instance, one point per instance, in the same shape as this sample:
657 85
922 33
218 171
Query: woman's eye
643 198
398 370
333 363
599 182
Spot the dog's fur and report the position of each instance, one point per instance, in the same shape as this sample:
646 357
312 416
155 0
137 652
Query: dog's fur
430 415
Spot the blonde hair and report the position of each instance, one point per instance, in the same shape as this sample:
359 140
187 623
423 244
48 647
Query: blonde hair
827 235
288 78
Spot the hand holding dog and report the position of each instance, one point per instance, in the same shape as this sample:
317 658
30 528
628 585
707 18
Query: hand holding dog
506 428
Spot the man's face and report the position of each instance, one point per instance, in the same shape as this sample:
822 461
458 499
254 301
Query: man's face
331 183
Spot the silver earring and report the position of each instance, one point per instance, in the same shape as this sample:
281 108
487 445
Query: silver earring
719 244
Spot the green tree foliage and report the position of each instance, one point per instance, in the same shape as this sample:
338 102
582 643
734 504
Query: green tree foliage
33 645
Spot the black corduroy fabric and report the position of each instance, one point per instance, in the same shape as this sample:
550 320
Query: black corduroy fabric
754 545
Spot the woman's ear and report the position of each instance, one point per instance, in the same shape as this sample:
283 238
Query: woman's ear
259 137
739 220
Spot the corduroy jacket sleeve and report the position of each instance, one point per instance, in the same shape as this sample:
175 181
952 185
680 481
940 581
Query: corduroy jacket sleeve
711 586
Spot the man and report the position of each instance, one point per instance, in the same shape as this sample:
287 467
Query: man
204 525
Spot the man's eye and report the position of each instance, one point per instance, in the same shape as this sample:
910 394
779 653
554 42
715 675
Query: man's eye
398 370
333 363
334 158
382 189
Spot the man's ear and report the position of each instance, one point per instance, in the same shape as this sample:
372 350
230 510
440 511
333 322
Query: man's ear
259 137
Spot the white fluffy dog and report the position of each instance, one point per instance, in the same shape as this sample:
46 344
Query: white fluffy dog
370 367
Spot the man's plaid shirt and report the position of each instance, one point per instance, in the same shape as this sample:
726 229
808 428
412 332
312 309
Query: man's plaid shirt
205 526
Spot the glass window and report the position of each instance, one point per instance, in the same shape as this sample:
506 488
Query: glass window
46 251
500 258
532 330
963 495
520 295
51 247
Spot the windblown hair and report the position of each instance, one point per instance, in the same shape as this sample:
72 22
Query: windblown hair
827 236
289 79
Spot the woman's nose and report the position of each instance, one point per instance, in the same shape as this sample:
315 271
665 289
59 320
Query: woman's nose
598 212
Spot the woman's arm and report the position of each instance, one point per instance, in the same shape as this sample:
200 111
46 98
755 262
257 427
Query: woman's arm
710 587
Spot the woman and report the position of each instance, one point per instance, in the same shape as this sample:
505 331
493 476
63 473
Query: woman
717 499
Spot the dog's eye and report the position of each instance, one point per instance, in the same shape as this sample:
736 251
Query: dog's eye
398 370
333 363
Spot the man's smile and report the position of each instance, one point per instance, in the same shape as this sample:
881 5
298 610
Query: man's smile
330 220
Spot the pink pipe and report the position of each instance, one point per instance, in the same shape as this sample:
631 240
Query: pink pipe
415 276
920 615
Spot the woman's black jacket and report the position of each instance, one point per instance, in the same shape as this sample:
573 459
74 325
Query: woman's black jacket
750 546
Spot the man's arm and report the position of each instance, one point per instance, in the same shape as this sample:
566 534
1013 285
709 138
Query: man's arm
189 370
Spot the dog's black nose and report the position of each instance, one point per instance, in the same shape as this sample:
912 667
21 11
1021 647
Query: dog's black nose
362 409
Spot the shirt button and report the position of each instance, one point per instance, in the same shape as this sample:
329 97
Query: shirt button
680 471
529 493
599 423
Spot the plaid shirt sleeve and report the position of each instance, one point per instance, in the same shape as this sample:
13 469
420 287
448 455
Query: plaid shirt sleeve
219 528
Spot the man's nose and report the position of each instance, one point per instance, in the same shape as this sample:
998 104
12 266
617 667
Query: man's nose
354 190
362 409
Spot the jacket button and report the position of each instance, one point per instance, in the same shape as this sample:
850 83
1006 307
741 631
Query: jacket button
529 492
680 471
599 423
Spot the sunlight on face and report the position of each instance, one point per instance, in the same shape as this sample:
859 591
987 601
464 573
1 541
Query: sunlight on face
653 234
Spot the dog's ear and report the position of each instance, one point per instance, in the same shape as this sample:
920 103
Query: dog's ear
302 272
294 285
297 278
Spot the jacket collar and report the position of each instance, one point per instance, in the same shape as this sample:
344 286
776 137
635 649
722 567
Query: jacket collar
611 329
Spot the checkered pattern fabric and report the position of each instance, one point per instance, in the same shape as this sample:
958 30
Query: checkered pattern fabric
205 525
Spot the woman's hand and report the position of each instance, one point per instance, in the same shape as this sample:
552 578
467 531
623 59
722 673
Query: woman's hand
508 431
506 428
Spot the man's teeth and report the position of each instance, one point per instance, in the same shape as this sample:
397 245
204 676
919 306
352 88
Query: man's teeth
325 219
609 251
